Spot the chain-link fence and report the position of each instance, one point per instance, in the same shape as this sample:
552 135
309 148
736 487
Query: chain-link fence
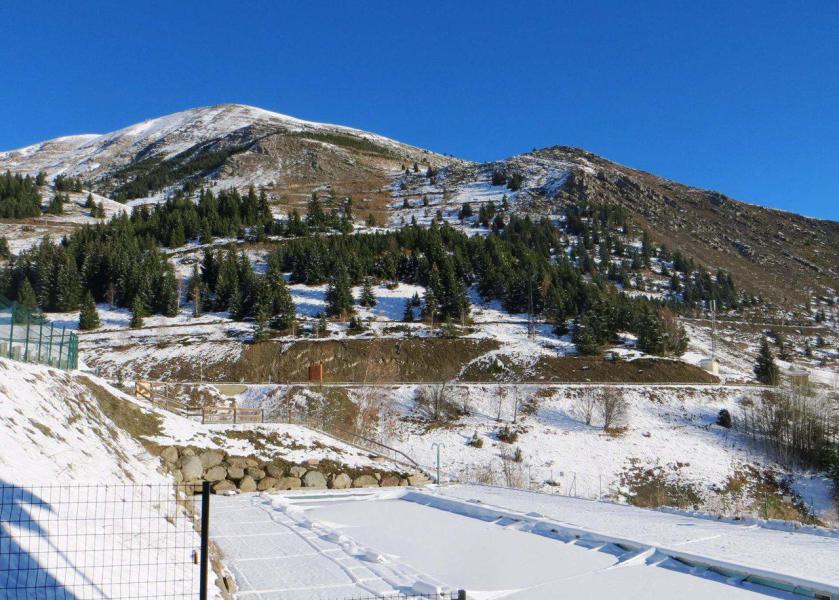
102 541
30 337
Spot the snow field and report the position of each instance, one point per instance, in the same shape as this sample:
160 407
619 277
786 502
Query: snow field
339 544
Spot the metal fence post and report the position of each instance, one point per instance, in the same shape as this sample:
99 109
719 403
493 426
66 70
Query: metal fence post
461 594
12 329
49 358
61 347
26 341
40 337
205 537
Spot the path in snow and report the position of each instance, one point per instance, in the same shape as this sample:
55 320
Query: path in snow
274 551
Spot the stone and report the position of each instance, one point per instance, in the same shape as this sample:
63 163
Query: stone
211 458
235 472
267 483
418 479
247 484
169 454
274 471
178 475
224 486
365 481
216 473
314 479
378 476
289 483
403 482
257 474
341 481
251 462
191 468
237 461
187 452
390 481
297 471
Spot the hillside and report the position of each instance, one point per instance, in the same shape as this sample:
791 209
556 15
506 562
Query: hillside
240 146
759 246
225 146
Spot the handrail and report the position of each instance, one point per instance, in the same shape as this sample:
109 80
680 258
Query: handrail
246 414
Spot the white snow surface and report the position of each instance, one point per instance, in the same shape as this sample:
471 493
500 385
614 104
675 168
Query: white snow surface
498 543
54 434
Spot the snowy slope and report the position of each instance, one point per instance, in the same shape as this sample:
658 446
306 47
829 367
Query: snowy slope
93 155
56 436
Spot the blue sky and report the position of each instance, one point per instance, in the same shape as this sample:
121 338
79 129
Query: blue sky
741 97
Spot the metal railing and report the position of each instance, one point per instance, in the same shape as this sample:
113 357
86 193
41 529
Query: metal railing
28 336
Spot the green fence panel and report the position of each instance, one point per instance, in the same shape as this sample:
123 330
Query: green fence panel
28 336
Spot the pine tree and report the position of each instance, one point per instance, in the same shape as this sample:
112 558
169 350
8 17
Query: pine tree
138 311
260 326
5 251
56 205
584 338
284 312
26 297
368 298
408 315
88 316
236 307
765 369
339 300
168 295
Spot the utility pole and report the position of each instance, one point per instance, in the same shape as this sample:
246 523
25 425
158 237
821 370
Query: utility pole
713 329
530 327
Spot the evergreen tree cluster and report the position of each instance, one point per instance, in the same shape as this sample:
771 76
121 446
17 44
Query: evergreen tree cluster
19 196
226 214
227 282
65 183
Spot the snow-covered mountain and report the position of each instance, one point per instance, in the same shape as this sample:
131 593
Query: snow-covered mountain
228 145
94 155
232 145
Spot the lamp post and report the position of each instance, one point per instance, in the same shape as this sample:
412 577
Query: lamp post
438 445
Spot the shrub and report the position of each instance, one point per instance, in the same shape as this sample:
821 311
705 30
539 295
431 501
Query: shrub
476 441
724 418
507 435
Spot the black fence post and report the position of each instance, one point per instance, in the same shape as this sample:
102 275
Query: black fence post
461 594
205 537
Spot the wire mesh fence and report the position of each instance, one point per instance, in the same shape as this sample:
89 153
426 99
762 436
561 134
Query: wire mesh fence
28 336
100 541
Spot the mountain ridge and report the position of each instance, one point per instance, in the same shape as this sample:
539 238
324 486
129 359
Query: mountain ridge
235 145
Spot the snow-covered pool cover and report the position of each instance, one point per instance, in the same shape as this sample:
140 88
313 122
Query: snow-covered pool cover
495 544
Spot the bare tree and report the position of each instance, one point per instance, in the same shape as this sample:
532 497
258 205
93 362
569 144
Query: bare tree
584 405
435 402
500 401
512 468
795 426
515 403
612 407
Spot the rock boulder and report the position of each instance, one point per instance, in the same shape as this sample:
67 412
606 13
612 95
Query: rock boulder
314 479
